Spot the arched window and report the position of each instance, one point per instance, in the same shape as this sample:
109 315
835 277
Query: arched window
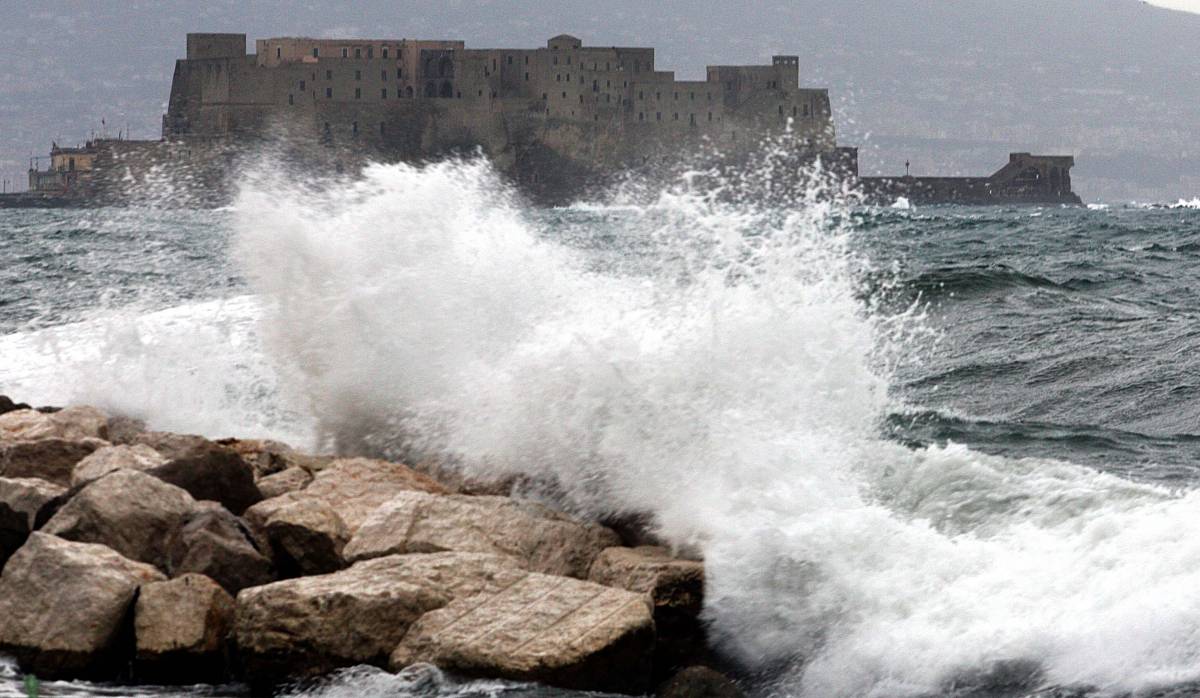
430 89
447 89
408 92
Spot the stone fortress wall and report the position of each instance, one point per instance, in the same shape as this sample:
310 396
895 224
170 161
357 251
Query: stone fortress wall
547 116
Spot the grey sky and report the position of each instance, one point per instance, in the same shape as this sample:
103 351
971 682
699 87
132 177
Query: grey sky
952 86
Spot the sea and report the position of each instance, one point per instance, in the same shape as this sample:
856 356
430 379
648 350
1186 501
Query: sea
923 450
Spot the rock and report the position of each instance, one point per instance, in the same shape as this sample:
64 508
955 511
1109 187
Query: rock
105 460
182 627
700 682
354 487
284 481
214 473
170 445
553 630
7 405
270 457
14 531
64 607
417 522
28 496
312 625
307 537
124 430
129 511
52 459
675 588
70 424
213 542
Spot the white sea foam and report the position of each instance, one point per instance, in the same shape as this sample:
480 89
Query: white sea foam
734 391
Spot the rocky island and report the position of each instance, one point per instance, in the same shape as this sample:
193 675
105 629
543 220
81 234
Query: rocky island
143 556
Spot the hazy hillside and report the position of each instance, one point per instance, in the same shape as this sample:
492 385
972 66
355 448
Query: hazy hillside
951 86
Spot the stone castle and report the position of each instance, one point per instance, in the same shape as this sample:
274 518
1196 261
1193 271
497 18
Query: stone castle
544 116
554 120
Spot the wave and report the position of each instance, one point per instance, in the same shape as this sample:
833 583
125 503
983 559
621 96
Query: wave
731 380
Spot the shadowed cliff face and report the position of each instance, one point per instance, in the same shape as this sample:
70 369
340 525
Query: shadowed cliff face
952 87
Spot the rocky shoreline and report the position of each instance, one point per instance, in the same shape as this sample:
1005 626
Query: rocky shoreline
134 555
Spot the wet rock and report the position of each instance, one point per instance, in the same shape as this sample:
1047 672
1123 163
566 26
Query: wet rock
20 501
7 405
124 430
129 511
675 588
700 682
354 487
553 630
182 627
214 473
416 522
312 625
105 460
52 459
71 424
284 481
213 542
169 444
270 457
307 537
64 607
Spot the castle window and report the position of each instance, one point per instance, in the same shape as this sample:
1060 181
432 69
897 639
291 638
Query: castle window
558 77
526 60
676 116
358 93
595 85
556 57
354 128
278 52
316 53
568 77
607 83
408 91
509 59
564 95
710 116
806 110
480 93
301 85
607 66
383 76
658 96
291 99
641 116
328 93
596 117
526 77
692 96
781 110
384 51
607 98
328 74
493 94
568 60
676 96
641 95
345 52
494 66
793 111
383 93
658 116
370 52
357 54
544 96
399 73
692 120
581 99
383 126
358 75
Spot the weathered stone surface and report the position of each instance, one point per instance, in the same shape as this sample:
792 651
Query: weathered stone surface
51 458
214 473
284 481
64 607
182 626
28 495
71 424
354 487
7 405
129 511
417 522
169 444
270 457
307 537
123 430
105 460
213 542
700 682
553 630
311 625
676 589
14 531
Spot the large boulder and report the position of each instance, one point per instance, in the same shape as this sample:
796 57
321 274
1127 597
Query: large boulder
52 458
20 501
213 542
270 457
214 473
64 607
284 481
129 511
307 537
71 424
169 444
417 522
182 627
105 460
354 487
700 682
553 630
675 587
312 625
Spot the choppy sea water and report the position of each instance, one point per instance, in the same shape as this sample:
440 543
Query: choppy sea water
925 451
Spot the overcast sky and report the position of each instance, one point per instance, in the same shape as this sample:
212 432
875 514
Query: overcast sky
951 85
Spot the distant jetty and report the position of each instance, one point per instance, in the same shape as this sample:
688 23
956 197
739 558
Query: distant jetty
558 121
